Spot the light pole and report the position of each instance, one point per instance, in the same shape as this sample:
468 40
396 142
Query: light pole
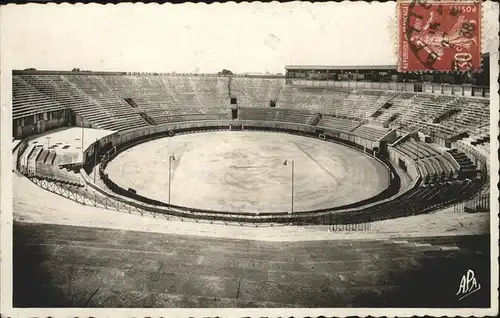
170 159
293 178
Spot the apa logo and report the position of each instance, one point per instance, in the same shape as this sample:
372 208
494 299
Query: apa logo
468 285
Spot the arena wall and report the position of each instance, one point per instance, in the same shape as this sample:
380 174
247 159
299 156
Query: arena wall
397 205
125 136
120 141
387 205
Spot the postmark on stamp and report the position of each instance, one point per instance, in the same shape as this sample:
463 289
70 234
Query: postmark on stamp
439 35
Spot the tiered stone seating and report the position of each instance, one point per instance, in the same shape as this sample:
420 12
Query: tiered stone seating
32 154
479 136
338 101
319 273
337 123
417 111
363 103
371 132
254 113
68 94
256 92
479 140
433 165
203 92
132 86
15 144
100 94
467 167
275 114
50 158
94 87
484 147
27 100
293 115
45 164
100 99
475 113
161 117
55 87
400 104
315 99
430 195
174 95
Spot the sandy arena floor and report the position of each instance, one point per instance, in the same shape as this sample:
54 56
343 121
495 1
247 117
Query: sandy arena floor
244 172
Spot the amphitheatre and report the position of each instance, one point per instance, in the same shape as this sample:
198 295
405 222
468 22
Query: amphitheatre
325 187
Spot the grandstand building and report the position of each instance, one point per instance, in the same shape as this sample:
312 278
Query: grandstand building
389 73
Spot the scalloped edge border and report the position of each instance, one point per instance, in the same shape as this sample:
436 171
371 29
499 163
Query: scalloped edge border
6 219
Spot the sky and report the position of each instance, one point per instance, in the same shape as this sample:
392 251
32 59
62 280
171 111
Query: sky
249 37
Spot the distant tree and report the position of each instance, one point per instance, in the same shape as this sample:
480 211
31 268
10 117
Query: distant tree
30 69
75 70
225 72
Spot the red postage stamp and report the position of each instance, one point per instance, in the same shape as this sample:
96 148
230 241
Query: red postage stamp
439 36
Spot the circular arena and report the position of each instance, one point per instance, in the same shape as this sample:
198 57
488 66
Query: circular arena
249 172
304 162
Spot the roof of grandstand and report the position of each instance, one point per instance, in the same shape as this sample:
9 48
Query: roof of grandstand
341 67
